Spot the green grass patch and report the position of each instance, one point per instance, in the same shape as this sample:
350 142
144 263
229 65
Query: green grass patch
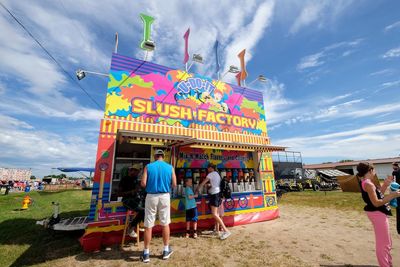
22 242
324 199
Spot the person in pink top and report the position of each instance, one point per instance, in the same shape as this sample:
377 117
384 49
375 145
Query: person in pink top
377 210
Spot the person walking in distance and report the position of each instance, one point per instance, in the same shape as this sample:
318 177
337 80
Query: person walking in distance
157 179
215 197
377 210
396 178
396 172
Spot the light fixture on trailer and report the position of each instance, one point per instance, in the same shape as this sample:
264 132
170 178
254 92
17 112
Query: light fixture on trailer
260 78
195 58
232 69
80 74
149 45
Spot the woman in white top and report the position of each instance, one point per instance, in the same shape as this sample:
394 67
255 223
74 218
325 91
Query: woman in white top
215 197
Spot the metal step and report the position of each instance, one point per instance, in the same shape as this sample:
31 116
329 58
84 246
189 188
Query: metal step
72 224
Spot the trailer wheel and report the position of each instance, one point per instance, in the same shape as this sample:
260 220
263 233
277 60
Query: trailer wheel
300 187
316 187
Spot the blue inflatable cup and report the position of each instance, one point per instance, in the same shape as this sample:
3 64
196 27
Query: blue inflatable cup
394 187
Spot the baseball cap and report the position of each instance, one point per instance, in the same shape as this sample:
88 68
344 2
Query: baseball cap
159 152
136 166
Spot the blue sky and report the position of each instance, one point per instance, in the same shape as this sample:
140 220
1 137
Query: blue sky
333 70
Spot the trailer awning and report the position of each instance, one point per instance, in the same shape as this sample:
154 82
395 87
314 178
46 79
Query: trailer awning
151 138
180 140
212 144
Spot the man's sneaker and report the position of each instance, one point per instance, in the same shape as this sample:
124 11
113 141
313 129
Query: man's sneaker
225 235
167 254
132 232
145 258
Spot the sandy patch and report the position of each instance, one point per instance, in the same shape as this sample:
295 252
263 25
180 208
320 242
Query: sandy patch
302 236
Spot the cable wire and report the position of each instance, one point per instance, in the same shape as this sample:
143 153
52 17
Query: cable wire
49 54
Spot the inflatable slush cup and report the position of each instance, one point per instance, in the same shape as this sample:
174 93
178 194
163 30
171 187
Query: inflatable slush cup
394 187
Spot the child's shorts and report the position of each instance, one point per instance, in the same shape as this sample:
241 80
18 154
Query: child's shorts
191 215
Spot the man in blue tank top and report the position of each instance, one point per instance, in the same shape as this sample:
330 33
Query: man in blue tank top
157 178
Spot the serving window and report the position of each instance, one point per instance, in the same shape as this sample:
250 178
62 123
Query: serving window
238 167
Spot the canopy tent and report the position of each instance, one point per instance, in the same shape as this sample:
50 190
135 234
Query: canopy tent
77 169
80 170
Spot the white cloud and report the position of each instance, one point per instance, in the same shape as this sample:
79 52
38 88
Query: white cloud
309 14
318 59
249 35
395 52
392 26
21 58
52 21
374 141
36 79
383 72
336 98
237 27
277 107
52 107
392 107
42 150
12 123
347 109
318 13
311 61
391 84
2 88
347 53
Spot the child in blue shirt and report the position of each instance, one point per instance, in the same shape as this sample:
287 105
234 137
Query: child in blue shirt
191 208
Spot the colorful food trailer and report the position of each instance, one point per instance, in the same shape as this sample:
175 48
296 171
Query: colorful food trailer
196 120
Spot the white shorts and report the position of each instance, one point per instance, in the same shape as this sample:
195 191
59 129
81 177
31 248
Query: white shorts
157 204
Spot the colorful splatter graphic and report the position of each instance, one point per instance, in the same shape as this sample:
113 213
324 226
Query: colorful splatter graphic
143 89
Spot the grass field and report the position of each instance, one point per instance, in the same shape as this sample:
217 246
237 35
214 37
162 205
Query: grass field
22 242
324 199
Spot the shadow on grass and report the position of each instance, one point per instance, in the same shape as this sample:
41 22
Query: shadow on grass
46 193
44 244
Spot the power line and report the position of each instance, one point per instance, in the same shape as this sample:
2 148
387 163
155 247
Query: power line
48 53
80 32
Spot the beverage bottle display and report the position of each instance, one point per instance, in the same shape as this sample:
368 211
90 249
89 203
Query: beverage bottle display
223 173
203 175
240 173
235 175
230 185
189 173
240 186
246 184
251 184
235 187
229 174
181 175
179 191
246 174
174 192
196 176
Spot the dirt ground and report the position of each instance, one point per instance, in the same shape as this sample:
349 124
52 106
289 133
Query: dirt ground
302 236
